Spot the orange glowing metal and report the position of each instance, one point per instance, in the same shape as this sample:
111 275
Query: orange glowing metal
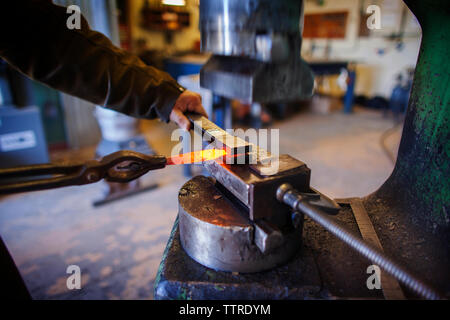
196 156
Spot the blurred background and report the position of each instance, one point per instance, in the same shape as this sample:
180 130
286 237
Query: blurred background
347 133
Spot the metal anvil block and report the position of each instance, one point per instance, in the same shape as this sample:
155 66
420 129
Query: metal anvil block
257 192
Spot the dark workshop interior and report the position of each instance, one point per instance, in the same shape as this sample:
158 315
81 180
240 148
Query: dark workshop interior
353 95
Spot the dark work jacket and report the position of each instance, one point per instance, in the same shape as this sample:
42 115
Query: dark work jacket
35 39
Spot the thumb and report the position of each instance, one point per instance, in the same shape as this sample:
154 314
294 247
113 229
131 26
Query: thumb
180 119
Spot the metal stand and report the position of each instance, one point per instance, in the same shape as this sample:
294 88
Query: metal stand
180 277
324 268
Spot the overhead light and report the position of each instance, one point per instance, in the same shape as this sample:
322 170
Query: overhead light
174 2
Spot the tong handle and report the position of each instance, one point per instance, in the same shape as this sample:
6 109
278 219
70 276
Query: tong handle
38 184
38 169
69 174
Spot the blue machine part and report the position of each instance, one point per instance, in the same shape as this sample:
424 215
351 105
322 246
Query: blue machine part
398 102
176 68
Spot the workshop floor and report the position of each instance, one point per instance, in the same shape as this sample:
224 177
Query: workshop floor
118 246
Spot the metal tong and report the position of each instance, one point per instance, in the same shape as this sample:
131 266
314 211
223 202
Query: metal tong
122 166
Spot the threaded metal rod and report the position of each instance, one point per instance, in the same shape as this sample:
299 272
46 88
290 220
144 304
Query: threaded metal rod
288 195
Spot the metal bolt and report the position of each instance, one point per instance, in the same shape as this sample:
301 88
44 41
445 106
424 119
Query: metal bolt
92 176
297 219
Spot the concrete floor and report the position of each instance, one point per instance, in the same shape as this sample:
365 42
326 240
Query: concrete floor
118 247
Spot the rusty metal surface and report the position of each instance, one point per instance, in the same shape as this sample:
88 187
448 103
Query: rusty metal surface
321 262
343 271
423 252
367 249
218 235
201 199
390 286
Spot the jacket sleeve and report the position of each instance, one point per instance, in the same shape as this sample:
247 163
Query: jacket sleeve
35 39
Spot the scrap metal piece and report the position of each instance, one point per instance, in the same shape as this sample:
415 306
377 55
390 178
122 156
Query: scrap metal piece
216 234
390 286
